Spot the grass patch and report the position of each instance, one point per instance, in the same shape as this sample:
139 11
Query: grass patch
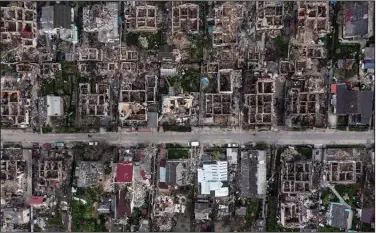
261 146
328 196
177 128
175 153
299 128
56 221
350 191
271 221
173 145
281 47
327 228
253 210
342 128
358 128
84 216
154 41
304 151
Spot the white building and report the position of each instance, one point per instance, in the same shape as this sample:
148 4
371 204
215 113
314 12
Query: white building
212 178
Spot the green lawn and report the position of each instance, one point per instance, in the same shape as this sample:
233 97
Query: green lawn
350 191
177 153
327 228
84 216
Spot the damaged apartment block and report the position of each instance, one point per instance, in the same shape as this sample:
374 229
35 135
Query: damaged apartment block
313 21
94 99
259 100
269 15
305 102
19 20
140 16
227 19
185 17
102 19
344 165
296 190
15 103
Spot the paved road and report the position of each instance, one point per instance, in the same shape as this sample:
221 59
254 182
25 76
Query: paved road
279 137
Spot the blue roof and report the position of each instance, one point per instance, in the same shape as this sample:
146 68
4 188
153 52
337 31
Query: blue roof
368 64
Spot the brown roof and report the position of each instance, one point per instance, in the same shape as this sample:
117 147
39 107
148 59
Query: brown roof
123 206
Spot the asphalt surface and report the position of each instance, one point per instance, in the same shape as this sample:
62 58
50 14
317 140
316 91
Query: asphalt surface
325 137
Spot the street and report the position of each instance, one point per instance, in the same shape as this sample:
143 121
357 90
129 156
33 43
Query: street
325 137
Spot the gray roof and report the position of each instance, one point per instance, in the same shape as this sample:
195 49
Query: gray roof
369 53
152 119
252 181
339 215
368 215
355 23
241 211
354 102
56 16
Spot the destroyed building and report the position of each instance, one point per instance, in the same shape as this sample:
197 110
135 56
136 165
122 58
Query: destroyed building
221 103
13 173
313 22
252 181
356 105
259 100
212 178
140 16
93 99
165 205
177 108
356 20
19 20
305 102
269 15
89 173
227 20
50 169
102 19
203 209
344 165
15 103
185 17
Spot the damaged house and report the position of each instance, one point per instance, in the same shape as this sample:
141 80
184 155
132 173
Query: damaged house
102 19
140 16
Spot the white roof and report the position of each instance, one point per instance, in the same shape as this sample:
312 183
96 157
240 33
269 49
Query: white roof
211 176
55 105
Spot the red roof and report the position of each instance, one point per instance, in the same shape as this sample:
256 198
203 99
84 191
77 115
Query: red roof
333 88
124 172
36 201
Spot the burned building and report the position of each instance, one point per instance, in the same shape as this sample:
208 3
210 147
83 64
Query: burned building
89 173
227 19
15 103
177 108
296 177
13 173
269 15
185 17
259 100
19 20
93 99
305 102
344 171
313 21
102 19
141 16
